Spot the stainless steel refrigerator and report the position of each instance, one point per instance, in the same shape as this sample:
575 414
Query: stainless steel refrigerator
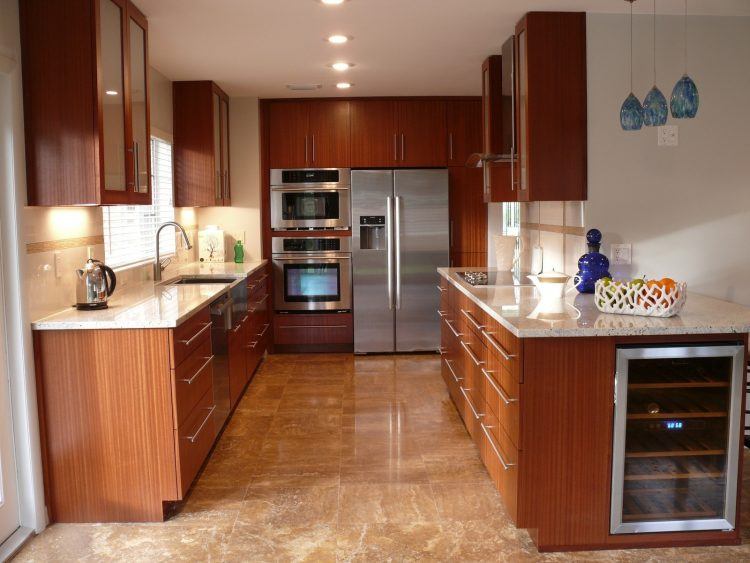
400 237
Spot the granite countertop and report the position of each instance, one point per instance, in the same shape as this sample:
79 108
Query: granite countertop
519 309
153 304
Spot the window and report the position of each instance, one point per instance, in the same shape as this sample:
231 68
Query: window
129 230
511 218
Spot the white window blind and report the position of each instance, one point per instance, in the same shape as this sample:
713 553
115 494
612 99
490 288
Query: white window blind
511 218
130 230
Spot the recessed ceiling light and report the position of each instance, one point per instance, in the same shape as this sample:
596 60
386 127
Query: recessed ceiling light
332 2
341 66
338 39
344 85
111 92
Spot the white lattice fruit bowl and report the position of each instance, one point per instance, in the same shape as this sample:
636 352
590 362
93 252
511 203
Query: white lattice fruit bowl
643 300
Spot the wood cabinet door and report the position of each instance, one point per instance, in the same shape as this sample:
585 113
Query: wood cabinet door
329 134
224 116
500 185
468 213
237 363
373 133
463 119
289 143
421 133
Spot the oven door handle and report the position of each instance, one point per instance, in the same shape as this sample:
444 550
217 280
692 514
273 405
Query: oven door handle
310 188
303 258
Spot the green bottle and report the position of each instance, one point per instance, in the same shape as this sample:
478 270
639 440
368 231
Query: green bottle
239 252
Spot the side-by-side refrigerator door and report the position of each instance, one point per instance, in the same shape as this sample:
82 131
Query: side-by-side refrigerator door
421 242
372 260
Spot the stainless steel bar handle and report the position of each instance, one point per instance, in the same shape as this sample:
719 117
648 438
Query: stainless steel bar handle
252 345
450 146
218 184
485 181
496 345
265 328
197 373
472 355
441 314
402 146
136 167
441 289
453 330
472 320
397 242
389 235
513 182
471 406
313 147
242 322
192 439
499 390
226 184
312 326
305 149
506 465
395 147
190 340
453 373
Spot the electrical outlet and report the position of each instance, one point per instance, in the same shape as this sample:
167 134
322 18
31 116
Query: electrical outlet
621 254
668 136
58 264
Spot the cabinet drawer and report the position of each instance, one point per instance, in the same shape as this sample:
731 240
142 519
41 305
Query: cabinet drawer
335 328
472 413
192 379
501 462
502 393
257 280
504 348
194 440
189 335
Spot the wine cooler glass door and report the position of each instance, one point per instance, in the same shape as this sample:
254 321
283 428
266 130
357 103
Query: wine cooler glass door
676 438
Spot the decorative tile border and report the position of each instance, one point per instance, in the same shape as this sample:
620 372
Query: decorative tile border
63 244
563 230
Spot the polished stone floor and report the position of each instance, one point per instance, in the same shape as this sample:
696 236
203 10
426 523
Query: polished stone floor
339 458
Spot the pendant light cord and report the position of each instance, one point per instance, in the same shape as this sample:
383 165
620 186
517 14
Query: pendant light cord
685 38
631 47
654 42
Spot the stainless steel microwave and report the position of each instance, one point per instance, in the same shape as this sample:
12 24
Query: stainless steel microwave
311 199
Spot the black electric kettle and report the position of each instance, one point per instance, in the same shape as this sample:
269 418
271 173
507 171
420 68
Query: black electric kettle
96 283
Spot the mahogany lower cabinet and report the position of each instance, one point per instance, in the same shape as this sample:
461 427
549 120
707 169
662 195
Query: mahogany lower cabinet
541 412
324 332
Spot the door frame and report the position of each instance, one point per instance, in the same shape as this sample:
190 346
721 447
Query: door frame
33 514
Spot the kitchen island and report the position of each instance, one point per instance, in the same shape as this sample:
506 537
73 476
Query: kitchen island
600 431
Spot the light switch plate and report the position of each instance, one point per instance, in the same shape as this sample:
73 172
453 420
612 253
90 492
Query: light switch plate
621 254
668 136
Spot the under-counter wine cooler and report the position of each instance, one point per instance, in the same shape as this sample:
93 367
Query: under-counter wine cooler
676 437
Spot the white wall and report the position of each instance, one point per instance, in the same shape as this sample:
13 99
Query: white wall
242 220
685 209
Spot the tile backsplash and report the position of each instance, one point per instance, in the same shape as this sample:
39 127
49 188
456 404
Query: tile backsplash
557 226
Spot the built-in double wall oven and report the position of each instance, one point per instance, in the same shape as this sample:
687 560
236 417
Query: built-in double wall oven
312 274
310 199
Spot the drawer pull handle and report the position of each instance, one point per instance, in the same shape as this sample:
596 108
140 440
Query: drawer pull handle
496 345
313 326
472 320
197 373
194 438
265 328
506 465
441 289
453 373
441 314
453 330
442 351
477 361
242 322
252 345
476 414
189 341
507 400
262 300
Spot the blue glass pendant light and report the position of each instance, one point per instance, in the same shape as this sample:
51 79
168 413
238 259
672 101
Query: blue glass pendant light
631 112
685 100
654 104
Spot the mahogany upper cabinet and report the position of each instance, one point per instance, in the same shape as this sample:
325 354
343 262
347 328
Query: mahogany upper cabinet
201 144
550 74
309 133
398 133
463 119
86 102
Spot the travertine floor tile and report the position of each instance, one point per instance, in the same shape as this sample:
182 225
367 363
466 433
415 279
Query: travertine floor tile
341 458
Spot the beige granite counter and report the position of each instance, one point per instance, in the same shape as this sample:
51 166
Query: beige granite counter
519 309
153 304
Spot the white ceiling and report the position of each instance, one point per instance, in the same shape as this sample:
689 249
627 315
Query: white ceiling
400 47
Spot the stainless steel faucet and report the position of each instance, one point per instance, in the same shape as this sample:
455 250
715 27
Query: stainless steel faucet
160 264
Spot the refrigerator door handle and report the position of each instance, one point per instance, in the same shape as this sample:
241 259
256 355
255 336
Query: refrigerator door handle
389 239
397 242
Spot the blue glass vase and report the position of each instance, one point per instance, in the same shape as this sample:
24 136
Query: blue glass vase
654 108
631 114
593 265
685 100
